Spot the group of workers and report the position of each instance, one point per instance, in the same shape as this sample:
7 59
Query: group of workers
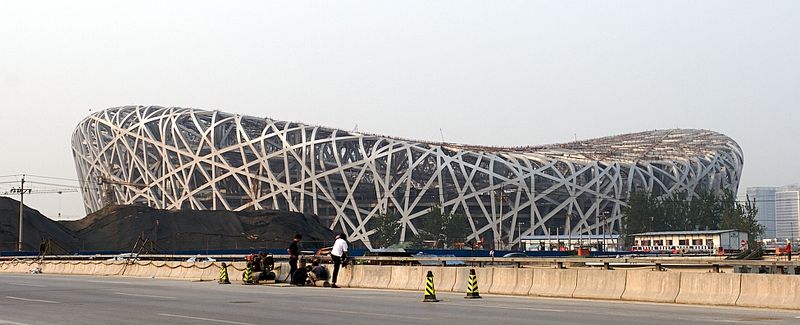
316 274
261 266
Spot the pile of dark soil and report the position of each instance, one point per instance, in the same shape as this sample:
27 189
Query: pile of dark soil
121 228
36 229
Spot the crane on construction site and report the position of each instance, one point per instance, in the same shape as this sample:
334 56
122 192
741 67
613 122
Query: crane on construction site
106 184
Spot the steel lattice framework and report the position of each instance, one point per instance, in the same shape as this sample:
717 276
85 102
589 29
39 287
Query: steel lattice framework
182 158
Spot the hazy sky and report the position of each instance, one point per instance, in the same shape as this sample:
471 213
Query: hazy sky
490 72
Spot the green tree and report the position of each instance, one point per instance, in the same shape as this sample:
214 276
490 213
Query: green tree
444 229
741 216
387 229
641 213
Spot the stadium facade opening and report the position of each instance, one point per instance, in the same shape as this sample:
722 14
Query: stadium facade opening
183 158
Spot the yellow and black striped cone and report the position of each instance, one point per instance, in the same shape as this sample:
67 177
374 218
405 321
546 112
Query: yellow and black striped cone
223 274
247 275
472 286
430 291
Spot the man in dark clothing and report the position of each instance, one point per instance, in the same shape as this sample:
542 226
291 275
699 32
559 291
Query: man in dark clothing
294 255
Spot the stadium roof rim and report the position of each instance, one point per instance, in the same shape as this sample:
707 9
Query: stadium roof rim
665 145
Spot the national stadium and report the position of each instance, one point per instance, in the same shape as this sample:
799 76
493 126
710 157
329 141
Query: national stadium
185 158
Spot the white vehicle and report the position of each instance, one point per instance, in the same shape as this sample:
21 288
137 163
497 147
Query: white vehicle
200 258
125 257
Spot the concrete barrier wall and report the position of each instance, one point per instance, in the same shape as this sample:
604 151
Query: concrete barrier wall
709 288
206 271
652 286
445 278
111 268
554 282
504 281
524 282
770 291
234 275
371 276
600 284
345 275
401 276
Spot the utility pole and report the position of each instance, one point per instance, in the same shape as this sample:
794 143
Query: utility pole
21 209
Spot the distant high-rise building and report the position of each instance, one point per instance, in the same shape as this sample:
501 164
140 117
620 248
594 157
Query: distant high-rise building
787 212
765 202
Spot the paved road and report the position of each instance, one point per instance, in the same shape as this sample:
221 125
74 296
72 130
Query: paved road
52 299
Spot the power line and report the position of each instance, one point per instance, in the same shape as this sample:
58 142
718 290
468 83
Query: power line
52 177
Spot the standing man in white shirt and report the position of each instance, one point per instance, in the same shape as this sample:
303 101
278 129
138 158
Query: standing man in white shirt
338 252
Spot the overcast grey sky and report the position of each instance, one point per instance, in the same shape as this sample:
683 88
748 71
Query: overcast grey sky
490 72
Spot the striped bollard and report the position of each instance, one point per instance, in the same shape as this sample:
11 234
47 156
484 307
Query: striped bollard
247 275
223 274
472 286
430 291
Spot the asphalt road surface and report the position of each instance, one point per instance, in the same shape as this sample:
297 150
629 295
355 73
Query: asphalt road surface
54 299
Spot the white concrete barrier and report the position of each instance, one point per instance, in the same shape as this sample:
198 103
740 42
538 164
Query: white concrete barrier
524 282
655 286
600 284
401 275
554 282
111 268
371 276
504 280
770 291
344 277
709 288
234 275
445 278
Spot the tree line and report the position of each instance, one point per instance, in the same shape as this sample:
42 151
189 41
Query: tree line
436 228
707 211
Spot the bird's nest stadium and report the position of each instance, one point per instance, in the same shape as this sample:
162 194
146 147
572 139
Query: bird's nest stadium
184 158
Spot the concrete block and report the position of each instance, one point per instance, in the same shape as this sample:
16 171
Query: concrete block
554 282
652 286
770 291
345 275
709 288
600 284
371 276
504 280
524 282
407 277
446 278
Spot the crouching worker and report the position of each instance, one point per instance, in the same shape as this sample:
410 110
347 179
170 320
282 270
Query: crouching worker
300 276
318 275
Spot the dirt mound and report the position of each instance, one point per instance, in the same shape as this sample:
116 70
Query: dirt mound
120 227
36 229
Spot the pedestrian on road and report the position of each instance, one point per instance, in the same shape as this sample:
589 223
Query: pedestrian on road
338 252
294 254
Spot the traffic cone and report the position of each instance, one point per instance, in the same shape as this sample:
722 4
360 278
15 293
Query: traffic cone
223 274
472 286
430 291
247 275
